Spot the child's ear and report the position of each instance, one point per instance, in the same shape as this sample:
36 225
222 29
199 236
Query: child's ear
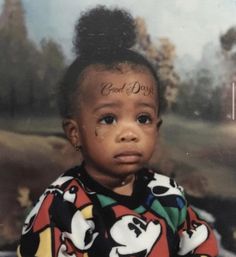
71 130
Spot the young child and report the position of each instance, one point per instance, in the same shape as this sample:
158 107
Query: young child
112 205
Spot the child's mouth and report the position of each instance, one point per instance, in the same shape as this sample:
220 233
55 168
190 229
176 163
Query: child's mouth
128 157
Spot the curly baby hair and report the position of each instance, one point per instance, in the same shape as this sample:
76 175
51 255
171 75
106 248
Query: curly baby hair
103 37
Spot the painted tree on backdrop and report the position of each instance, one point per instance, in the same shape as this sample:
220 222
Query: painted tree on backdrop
28 74
206 92
199 98
163 55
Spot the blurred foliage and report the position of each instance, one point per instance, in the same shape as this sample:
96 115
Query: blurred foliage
28 73
228 45
199 98
228 39
203 93
206 93
162 55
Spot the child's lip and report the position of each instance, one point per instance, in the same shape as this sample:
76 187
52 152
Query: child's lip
128 156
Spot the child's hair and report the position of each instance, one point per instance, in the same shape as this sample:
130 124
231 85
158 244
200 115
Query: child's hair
103 37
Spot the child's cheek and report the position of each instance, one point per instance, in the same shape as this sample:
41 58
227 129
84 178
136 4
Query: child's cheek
149 131
102 132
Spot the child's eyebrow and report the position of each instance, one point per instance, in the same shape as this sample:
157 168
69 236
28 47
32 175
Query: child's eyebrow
118 104
106 105
149 105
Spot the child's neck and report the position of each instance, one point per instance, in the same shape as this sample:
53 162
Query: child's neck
122 186
126 186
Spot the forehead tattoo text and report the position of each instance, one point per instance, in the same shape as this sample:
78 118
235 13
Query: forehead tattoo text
135 87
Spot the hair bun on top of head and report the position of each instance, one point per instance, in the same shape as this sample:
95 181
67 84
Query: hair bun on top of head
102 31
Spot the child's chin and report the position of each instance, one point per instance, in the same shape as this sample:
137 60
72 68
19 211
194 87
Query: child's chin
128 169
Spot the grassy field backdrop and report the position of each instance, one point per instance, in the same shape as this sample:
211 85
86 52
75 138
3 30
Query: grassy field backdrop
203 150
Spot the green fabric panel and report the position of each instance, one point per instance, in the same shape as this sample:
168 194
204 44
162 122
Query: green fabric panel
105 200
140 209
173 213
177 216
158 208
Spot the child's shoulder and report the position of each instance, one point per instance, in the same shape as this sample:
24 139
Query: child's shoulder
167 198
163 185
66 178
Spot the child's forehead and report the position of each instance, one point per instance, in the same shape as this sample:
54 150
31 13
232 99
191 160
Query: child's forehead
95 75
100 84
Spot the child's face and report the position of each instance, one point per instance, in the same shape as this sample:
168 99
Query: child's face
116 120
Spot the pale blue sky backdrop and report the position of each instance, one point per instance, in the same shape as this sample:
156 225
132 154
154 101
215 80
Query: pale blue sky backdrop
190 24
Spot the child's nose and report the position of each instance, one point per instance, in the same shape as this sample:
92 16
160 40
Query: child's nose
128 135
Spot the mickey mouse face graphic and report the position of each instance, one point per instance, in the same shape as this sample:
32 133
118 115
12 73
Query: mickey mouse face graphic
134 235
53 189
190 239
83 237
162 186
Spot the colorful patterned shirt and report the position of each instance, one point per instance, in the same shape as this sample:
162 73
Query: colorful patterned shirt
78 217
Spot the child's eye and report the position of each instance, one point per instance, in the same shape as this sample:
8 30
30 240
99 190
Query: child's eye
144 119
109 119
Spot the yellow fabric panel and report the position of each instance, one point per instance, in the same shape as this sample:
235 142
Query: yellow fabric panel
18 252
45 244
87 212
